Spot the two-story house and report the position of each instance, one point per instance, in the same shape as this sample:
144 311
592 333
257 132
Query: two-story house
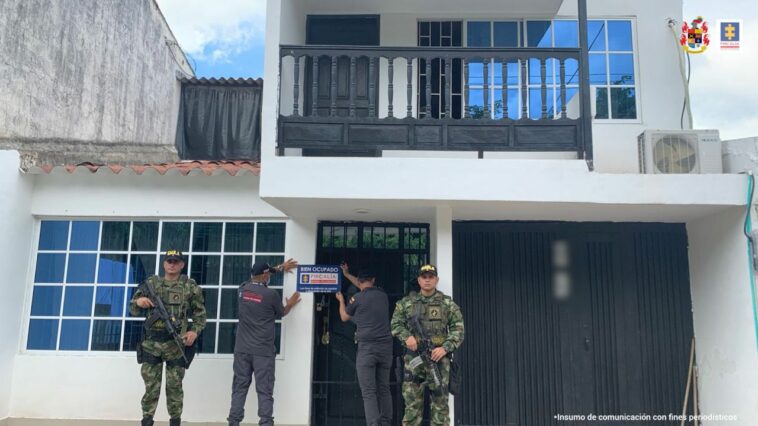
497 139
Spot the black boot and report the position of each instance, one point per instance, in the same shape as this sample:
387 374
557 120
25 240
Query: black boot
175 422
147 421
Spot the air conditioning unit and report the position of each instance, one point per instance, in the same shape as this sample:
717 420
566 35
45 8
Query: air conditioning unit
679 151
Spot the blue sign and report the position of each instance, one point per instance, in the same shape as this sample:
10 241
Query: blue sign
319 278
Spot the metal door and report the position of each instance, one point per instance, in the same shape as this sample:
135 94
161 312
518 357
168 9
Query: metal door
571 319
394 252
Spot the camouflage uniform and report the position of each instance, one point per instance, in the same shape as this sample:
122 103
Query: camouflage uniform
179 297
443 321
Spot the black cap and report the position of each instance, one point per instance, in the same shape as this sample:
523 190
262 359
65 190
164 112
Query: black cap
365 274
174 255
427 269
261 268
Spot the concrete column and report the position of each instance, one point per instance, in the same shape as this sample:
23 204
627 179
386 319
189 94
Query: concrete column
441 253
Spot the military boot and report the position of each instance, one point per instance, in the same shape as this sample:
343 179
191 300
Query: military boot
175 422
147 421
231 423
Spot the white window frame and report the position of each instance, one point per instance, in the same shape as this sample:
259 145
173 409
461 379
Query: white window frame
126 285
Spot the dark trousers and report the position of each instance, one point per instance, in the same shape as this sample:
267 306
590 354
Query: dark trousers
245 365
373 363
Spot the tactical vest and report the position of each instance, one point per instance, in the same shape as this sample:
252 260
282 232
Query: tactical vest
434 317
175 298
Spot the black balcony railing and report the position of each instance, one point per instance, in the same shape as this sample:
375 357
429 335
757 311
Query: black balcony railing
368 99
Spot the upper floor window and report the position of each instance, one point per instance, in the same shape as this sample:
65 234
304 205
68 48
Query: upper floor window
87 271
611 65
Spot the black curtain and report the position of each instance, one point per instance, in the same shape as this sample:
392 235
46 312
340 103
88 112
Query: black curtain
219 123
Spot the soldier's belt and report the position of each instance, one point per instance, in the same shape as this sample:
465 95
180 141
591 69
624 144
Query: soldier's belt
158 335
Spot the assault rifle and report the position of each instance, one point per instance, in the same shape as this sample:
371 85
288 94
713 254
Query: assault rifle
424 350
160 313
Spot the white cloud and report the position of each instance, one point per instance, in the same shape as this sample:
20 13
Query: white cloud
723 85
213 30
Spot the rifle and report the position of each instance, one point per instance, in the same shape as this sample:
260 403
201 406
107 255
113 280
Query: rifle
160 313
424 351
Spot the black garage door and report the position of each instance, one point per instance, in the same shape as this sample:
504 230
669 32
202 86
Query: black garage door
572 319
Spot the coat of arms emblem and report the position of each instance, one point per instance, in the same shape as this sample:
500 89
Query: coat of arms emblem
695 36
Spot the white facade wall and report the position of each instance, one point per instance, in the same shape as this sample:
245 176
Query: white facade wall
614 141
725 333
16 229
107 386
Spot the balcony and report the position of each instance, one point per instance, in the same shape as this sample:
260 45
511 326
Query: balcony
360 101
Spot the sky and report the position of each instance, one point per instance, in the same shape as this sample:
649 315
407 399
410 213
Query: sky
225 38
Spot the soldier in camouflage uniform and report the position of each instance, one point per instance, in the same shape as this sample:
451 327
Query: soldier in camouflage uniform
180 295
442 320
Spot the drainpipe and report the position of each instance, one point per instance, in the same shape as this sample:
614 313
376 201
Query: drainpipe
752 248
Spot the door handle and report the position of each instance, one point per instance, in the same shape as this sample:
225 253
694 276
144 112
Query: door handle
586 343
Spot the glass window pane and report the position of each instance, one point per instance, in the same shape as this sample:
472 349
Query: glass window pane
566 33
476 103
535 71
513 73
535 103
145 236
206 342
620 36
81 268
175 236
539 34
129 294
226 333
42 334
475 73
84 235
276 279
270 238
115 236
392 238
206 269
596 35
53 235
601 102
236 269
506 34
229 306
622 68
207 237
133 331
457 33
74 335
210 296
571 70
78 301
106 335
141 266
623 103
514 106
50 268
572 103
423 29
112 269
598 72
378 237
478 34
109 301
367 237
239 237
338 237
46 300
351 237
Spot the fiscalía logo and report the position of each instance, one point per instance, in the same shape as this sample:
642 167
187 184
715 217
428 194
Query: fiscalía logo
730 32
695 36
